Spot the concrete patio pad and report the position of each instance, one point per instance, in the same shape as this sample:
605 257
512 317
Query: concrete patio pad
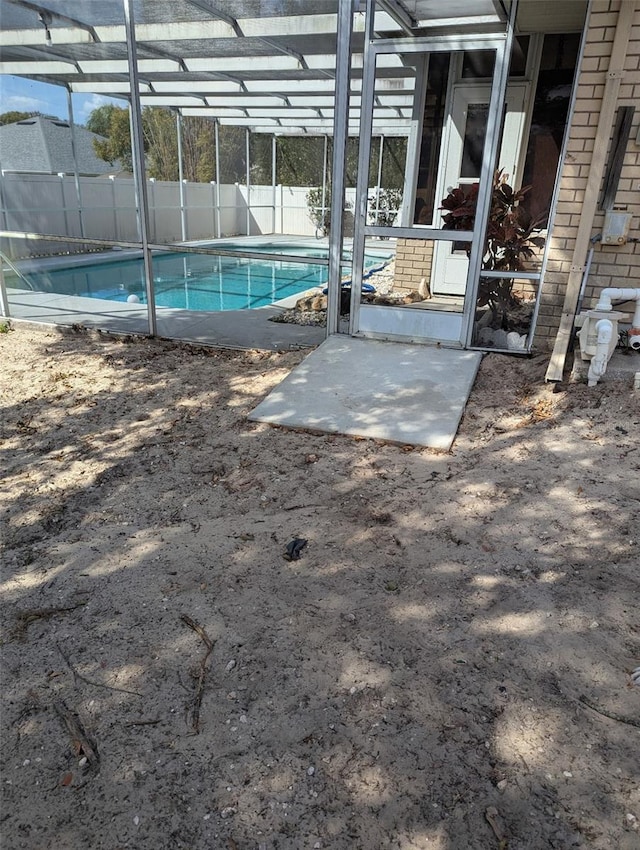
409 394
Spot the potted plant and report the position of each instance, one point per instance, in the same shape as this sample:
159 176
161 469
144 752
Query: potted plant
511 243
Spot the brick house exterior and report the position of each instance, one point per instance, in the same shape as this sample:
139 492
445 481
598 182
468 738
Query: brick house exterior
581 175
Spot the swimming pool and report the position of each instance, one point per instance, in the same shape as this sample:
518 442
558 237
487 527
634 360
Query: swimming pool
194 281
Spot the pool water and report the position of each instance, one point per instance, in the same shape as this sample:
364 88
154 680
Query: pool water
194 281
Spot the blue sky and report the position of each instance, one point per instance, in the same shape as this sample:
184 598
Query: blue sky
17 93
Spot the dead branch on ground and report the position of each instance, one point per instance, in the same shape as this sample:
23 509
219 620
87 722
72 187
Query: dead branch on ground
612 715
84 679
25 618
82 746
197 700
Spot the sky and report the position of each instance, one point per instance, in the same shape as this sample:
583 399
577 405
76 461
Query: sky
17 93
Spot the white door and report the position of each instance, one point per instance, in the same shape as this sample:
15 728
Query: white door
461 161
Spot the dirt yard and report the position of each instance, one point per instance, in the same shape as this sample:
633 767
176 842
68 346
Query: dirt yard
446 666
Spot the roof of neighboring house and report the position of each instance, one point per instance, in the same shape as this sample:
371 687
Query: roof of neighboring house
43 145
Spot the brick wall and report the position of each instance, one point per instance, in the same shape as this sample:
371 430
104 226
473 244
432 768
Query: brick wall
413 262
611 266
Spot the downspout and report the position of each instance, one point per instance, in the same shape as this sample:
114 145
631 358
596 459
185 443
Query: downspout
609 102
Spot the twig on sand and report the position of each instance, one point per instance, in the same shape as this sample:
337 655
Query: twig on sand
84 679
495 822
612 715
197 700
81 744
25 618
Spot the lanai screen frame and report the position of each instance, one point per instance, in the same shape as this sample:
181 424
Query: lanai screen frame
342 95
443 43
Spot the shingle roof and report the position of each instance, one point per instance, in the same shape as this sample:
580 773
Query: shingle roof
43 145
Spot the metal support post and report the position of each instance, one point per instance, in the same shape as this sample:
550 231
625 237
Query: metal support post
364 154
139 173
216 132
183 211
379 178
74 154
340 135
4 299
485 188
324 177
273 181
248 164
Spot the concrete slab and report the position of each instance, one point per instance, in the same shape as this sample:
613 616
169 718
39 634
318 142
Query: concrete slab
409 394
231 328
623 366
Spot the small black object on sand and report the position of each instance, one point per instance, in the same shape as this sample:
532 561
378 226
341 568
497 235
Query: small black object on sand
294 548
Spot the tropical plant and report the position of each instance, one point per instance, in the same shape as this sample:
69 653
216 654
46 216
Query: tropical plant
511 240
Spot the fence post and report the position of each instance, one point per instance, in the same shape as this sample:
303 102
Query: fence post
64 203
152 209
113 206
281 209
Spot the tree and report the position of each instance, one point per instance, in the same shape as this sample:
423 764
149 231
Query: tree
12 117
161 143
112 122
299 159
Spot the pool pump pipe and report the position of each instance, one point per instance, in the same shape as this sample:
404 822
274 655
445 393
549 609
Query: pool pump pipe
599 361
599 330
605 305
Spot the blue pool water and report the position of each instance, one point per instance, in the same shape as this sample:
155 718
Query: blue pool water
194 281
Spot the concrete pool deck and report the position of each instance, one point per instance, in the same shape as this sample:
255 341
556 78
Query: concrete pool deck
228 329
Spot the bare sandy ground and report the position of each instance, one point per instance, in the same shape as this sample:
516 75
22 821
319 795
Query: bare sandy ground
447 665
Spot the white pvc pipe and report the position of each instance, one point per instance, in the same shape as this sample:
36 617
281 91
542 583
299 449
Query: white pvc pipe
598 367
607 296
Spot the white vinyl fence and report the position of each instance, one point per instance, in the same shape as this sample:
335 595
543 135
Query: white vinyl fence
105 208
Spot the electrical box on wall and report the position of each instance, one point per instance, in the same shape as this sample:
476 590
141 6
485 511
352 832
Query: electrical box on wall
616 227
